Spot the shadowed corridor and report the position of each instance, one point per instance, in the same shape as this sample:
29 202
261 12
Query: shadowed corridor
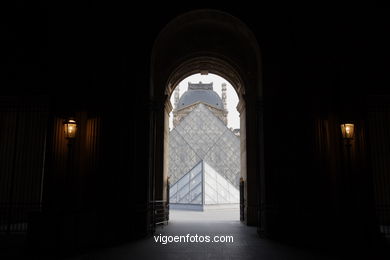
84 130
246 245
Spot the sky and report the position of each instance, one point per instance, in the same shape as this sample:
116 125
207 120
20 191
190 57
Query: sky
231 95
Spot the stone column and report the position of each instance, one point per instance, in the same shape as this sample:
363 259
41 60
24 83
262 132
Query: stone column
158 158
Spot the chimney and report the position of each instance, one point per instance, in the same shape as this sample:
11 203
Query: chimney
224 96
176 94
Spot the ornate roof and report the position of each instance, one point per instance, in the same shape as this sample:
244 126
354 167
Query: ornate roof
200 92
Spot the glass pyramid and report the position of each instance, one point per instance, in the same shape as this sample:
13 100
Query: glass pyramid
202 136
201 186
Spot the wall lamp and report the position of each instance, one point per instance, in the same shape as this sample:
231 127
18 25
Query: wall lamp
70 128
348 131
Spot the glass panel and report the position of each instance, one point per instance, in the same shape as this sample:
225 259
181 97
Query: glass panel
211 194
183 194
196 192
197 180
183 181
218 189
197 170
209 200
197 200
173 199
173 189
184 199
210 181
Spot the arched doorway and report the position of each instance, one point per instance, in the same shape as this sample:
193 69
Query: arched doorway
204 150
208 41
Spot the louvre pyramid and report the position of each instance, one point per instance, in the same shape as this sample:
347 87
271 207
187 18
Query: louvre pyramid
202 185
202 136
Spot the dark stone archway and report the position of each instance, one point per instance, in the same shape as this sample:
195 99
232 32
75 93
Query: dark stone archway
207 41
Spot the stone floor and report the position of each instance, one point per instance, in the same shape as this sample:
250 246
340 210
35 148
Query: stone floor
246 243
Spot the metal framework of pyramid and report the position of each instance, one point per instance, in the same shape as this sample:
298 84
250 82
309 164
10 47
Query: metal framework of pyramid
200 187
203 136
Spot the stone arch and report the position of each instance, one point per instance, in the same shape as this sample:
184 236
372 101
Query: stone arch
207 41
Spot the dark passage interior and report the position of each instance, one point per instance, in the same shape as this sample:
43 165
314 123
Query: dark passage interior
84 104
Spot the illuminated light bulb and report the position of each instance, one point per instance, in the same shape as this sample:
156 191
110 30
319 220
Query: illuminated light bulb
70 127
347 130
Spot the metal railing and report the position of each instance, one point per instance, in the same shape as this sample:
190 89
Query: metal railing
14 218
160 213
383 213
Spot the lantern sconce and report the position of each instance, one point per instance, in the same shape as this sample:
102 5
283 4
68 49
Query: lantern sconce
348 131
70 128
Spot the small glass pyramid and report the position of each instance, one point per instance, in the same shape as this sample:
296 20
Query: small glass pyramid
202 186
